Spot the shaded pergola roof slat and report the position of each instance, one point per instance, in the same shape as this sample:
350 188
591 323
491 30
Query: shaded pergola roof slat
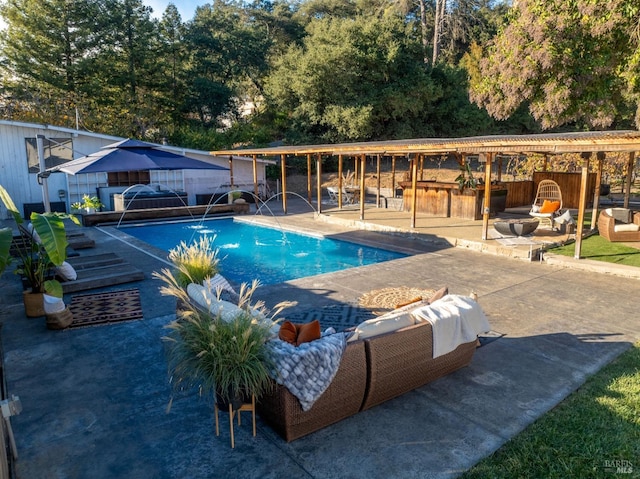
553 143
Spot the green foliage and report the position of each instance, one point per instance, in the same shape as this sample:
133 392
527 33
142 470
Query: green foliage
568 61
224 357
354 79
466 179
596 425
38 257
6 237
194 262
597 248
88 202
357 72
220 357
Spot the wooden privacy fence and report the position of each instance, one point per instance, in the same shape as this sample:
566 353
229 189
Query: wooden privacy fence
522 193
519 193
569 184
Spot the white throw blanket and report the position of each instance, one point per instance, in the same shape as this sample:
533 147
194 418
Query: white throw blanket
307 370
455 320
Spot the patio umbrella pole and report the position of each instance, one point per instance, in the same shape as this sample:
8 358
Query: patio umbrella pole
42 176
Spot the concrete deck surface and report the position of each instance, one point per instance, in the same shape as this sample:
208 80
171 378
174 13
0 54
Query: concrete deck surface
95 399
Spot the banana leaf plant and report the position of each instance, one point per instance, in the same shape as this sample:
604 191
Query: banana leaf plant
6 237
44 246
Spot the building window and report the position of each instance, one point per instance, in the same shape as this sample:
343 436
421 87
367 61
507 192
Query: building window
128 178
56 151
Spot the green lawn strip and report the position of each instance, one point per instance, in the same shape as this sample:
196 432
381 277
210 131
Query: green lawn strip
598 248
588 435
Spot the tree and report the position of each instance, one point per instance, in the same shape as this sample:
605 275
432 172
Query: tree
572 62
47 50
48 43
354 79
226 50
172 63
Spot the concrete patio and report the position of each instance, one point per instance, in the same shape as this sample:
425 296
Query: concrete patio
95 399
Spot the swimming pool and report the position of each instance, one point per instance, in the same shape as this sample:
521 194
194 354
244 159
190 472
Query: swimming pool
248 251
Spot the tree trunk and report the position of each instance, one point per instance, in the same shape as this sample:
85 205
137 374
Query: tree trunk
437 28
423 30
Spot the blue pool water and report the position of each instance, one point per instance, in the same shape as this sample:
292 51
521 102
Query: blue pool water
273 256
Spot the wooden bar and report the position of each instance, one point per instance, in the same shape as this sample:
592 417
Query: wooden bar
444 199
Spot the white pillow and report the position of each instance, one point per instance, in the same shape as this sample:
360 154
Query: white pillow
34 234
384 324
52 304
626 227
208 300
535 209
66 272
218 281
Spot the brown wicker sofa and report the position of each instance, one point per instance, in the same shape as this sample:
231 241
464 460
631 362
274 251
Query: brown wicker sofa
372 370
626 222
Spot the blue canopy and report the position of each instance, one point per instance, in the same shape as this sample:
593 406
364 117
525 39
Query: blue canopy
132 155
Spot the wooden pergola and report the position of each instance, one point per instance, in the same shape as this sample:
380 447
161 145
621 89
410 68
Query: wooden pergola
586 143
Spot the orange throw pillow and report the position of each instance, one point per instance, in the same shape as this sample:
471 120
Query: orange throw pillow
308 332
549 206
407 303
297 334
288 332
441 293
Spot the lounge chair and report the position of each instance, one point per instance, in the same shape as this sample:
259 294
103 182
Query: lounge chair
333 194
619 224
548 202
98 271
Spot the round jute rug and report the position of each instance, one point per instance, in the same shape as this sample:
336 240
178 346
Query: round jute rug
391 298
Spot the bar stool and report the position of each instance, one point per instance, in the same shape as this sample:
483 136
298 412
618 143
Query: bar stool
244 407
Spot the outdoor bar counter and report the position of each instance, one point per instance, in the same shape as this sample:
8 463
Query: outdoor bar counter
445 199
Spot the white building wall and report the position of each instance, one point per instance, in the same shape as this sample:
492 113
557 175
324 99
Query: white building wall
14 171
24 188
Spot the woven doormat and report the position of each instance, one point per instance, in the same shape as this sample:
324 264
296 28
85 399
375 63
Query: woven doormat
102 308
386 299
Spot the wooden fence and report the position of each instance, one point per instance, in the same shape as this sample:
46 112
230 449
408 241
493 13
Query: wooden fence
522 193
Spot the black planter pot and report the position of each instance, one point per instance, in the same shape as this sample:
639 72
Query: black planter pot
223 404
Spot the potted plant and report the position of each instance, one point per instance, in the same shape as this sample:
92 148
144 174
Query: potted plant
43 247
89 204
195 262
465 179
225 358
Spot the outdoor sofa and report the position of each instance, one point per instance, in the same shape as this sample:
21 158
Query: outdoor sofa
372 370
619 224
380 359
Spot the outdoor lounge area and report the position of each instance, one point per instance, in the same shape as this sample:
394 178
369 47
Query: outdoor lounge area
117 396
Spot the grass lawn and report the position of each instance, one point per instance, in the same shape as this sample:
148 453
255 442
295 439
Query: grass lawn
598 248
593 433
